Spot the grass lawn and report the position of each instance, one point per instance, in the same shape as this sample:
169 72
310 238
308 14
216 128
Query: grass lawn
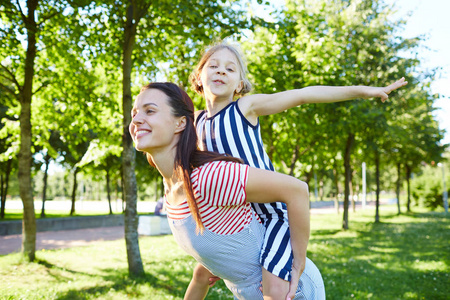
403 257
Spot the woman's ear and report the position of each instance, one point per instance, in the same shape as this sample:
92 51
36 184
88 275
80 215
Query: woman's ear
181 124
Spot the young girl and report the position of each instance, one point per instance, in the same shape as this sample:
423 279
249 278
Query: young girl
207 196
232 127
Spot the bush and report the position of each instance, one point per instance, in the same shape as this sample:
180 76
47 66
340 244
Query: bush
426 188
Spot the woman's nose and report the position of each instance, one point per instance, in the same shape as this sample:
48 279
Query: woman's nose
136 119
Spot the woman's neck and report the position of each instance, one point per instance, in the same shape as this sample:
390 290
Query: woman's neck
165 162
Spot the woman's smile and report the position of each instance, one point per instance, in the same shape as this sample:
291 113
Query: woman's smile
140 133
152 114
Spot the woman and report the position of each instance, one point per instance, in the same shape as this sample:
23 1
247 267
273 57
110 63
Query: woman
208 195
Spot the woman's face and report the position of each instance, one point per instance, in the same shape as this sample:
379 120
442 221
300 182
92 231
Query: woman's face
153 126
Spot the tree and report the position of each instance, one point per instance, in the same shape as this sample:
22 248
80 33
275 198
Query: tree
8 161
105 157
416 134
146 31
13 15
330 43
27 30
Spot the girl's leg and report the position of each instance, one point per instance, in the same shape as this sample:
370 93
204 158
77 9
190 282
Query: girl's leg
273 287
200 283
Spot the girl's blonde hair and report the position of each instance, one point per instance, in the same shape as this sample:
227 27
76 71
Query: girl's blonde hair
195 75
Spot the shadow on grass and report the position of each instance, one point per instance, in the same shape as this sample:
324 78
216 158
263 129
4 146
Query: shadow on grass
325 232
433 214
120 282
407 260
53 266
164 279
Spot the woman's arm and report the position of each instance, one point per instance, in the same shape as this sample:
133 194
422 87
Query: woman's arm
265 186
253 106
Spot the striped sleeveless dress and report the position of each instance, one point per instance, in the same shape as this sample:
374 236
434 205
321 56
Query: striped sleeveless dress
229 132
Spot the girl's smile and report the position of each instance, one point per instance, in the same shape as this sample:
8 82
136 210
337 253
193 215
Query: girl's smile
220 77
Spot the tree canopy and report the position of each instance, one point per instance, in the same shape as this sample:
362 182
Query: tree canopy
70 69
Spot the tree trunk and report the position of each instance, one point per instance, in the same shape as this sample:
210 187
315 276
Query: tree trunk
122 185
74 190
108 191
2 198
293 160
309 175
116 192
352 192
408 177
377 177
336 184
44 189
135 266
397 190
24 157
4 187
348 176
321 189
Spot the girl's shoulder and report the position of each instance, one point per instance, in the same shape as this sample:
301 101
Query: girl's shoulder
197 113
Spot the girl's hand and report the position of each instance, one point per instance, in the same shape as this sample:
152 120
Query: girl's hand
383 92
297 270
213 280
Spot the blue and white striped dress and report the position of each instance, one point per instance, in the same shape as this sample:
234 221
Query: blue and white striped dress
229 132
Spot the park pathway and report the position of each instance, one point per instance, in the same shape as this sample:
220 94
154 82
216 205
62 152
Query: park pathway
62 238
83 237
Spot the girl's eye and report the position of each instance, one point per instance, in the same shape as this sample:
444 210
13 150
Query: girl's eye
230 70
213 66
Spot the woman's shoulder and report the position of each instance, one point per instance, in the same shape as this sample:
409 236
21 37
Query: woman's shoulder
218 172
213 166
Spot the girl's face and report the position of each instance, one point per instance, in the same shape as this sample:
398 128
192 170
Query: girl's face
220 76
153 125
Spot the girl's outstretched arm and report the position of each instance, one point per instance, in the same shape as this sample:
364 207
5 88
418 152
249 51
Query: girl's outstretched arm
265 186
257 105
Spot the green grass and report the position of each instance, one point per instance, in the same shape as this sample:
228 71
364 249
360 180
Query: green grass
403 257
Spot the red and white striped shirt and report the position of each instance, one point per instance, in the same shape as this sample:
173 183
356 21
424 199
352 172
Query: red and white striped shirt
219 188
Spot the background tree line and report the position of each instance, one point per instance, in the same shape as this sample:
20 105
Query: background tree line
69 71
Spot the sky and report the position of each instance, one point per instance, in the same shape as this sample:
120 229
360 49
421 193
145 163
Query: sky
431 18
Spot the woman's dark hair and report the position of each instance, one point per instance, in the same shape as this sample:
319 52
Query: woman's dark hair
187 156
